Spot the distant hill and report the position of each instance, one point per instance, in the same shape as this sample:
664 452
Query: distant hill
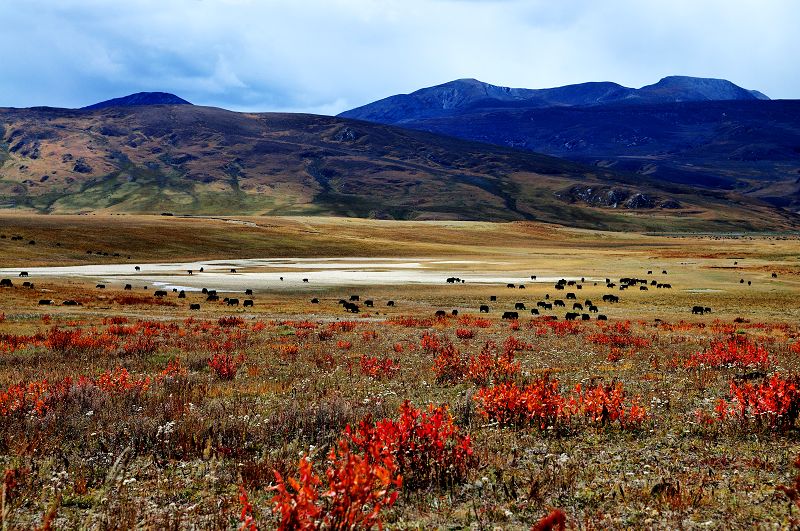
188 159
455 97
140 98
701 132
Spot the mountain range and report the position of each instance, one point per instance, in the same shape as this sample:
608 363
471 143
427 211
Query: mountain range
155 152
705 133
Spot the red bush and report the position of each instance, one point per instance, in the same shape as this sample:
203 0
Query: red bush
379 368
775 402
225 366
355 490
426 445
539 403
736 352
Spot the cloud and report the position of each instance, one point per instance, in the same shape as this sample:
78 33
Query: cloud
329 55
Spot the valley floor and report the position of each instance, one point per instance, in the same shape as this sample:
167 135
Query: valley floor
130 410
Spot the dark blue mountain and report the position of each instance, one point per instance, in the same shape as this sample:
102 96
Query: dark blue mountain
140 98
701 132
457 96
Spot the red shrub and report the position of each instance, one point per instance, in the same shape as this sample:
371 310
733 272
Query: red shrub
736 352
488 366
379 368
225 366
246 517
119 381
555 521
775 402
539 403
465 333
426 445
355 490
230 322
449 366
605 404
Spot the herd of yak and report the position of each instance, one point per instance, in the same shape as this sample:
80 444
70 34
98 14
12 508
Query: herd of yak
579 310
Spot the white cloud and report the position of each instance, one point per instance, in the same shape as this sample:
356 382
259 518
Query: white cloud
328 55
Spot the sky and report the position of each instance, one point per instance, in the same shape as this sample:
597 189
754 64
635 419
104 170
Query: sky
326 56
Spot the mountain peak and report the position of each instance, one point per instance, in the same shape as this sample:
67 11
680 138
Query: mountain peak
687 88
140 98
467 94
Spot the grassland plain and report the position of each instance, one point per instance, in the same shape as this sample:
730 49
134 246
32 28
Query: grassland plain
130 410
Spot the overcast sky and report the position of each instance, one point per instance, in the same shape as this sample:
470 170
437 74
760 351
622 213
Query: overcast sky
326 56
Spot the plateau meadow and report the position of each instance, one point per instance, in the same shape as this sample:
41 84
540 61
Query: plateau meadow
234 372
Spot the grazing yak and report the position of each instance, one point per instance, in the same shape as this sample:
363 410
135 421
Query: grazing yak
602 317
519 306
440 314
577 306
233 302
45 302
510 285
70 303
698 309
510 315
585 317
559 303
593 308
248 291
137 268
571 296
389 303
101 286
182 294
354 298
194 306
492 298
23 273
233 270
315 301
248 302
212 298
369 303
350 307
484 308
454 313
571 316
159 293
534 311
128 287
6 283
610 298
305 280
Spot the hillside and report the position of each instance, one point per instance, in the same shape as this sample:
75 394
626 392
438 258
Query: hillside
186 159
706 133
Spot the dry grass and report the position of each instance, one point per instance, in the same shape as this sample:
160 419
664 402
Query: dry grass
174 455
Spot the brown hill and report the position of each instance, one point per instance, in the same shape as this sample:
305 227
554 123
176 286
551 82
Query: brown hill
197 160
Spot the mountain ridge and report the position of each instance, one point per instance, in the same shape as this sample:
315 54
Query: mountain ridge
446 98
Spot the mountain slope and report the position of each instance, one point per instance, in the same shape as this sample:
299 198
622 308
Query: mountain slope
701 132
198 160
140 98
